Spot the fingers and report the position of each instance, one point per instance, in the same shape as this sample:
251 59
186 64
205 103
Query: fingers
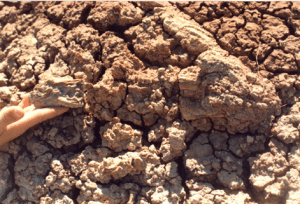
39 115
10 115
29 120
25 102
29 109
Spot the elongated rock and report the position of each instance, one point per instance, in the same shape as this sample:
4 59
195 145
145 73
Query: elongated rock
62 91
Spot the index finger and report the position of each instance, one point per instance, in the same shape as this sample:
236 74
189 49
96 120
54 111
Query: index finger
31 119
9 115
25 102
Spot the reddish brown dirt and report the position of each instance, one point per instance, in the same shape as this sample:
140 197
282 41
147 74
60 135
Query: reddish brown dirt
170 102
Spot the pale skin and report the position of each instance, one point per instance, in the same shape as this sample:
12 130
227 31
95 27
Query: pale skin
15 120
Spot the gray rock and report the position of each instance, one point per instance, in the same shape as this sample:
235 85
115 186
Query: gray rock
62 91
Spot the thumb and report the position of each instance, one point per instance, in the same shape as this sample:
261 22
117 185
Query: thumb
10 115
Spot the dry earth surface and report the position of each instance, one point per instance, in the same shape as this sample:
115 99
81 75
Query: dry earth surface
170 102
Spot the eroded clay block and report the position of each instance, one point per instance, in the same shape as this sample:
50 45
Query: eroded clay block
62 91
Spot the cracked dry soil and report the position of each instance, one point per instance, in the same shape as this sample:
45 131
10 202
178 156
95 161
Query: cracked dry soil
170 102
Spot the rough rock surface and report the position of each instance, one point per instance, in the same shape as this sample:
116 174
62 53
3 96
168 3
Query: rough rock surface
122 14
173 144
147 92
64 91
287 127
199 160
9 95
229 93
274 179
33 170
118 136
170 102
67 130
205 193
5 176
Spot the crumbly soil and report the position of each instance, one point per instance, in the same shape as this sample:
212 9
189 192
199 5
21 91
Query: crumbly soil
170 102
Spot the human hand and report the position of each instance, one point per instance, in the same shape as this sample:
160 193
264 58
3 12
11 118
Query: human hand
15 120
